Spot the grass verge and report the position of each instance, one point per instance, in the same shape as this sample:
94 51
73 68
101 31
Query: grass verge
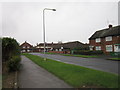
84 56
115 59
77 76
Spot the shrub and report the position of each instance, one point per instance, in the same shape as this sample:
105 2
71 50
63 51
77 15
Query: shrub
10 47
96 52
14 63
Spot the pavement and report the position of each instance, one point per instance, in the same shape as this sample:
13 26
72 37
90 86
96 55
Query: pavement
33 76
95 63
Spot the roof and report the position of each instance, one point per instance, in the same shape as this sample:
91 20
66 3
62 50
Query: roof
113 31
47 44
70 45
26 44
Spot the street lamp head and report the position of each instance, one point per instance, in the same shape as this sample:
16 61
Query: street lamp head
54 9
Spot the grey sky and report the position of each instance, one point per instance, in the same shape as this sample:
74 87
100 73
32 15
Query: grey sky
72 21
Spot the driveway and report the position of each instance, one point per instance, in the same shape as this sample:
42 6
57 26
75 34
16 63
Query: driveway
33 76
94 63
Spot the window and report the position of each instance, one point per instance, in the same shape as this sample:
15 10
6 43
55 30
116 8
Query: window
98 47
56 50
91 47
108 38
23 50
117 48
109 48
28 47
60 49
23 46
28 50
98 40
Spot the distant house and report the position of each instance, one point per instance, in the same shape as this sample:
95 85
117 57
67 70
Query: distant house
26 47
52 47
67 47
107 40
48 47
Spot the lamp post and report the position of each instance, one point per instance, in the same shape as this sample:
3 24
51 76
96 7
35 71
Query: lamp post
44 27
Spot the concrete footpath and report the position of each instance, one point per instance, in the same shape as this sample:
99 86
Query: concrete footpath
33 76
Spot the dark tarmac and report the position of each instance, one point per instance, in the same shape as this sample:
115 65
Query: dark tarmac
95 63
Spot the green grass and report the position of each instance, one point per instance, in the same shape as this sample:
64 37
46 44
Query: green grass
115 59
84 56
77 76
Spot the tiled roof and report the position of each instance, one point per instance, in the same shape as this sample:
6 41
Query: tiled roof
70 45
26 44
113 31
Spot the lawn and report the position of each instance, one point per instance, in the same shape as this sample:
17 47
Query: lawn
84 56
115 59
77 76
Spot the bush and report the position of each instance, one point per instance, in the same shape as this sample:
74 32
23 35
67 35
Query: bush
14 63
88 52
10 47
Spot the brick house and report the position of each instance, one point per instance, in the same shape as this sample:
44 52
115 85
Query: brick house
67 47
26 47
107 40
40 47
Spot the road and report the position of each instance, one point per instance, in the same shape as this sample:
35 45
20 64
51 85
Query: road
94 63
33 76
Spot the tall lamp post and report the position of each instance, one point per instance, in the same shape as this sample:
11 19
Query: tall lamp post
44 27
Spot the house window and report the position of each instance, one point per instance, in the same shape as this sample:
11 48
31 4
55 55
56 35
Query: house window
60 49
108 38
56 50
98 40
28 50
91 47
109 48
117 48
98 48
28 47
23 50
23 46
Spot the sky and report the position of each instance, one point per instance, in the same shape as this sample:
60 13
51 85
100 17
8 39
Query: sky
73 20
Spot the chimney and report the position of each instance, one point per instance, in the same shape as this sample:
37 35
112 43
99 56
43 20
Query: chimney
110 26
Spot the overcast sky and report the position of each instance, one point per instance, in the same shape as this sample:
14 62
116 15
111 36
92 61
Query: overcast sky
73 21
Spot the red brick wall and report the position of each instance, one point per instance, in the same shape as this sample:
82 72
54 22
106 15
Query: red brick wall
103 43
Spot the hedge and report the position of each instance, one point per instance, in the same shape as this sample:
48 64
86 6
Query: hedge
14 63
11 53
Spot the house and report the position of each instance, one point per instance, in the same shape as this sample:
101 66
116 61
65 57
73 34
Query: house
26 47
107 40
67 47
40 47
57 48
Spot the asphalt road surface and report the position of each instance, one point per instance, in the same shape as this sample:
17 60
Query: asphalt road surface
33 76
94 63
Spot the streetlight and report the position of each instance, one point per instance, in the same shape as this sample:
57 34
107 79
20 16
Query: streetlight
44 27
